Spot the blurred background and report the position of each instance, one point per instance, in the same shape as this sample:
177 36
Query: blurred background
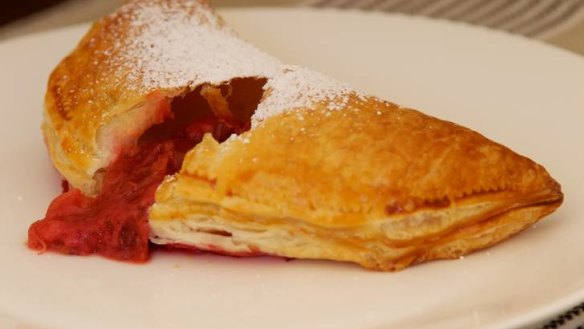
18 17
558 22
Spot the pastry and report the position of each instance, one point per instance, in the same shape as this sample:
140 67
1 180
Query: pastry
170 128
123 108
350 178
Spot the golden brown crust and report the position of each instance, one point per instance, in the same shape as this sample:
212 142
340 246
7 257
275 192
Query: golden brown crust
371 183
324 172
118 80
85 92
371 157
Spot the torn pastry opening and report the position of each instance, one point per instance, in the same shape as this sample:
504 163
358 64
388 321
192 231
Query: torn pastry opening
114 223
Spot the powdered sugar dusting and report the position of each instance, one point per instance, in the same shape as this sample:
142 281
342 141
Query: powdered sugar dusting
299 87
183 43
177 44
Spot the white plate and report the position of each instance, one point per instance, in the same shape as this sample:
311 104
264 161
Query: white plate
526 95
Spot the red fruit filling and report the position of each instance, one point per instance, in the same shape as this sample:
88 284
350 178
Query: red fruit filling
115 223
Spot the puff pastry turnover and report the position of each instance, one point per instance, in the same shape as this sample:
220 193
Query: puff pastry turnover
280 160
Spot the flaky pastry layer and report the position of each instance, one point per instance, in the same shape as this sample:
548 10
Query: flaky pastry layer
371 183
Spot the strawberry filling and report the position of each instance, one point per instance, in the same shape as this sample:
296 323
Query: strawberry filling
115 223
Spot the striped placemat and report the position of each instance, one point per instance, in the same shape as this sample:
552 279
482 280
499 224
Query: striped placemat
533 18
573 319
559 22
